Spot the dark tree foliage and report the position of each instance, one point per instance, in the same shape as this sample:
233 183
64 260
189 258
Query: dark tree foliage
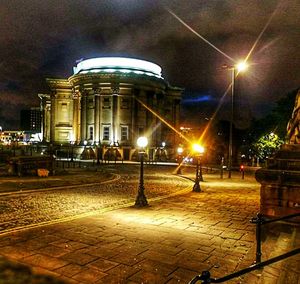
277 120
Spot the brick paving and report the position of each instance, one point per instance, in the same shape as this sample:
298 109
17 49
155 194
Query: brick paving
170 241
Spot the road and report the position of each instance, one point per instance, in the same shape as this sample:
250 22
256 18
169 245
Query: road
33 206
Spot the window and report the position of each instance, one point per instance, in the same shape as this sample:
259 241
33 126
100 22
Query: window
106 132
91 133
125 103
106 102
64 106
124 133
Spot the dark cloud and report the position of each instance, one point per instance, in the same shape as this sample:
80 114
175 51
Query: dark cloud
45 38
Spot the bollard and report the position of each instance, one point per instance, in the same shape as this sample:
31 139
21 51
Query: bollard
258 221
222 167
242 169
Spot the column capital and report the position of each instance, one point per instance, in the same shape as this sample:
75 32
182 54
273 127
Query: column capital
115 88
97 91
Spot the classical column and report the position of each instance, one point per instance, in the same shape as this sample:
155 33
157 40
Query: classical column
83 117
97 115
159 110
134 117
115 111
53 122
75 116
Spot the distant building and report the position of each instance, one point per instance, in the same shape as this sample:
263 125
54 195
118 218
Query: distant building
31 120
111 101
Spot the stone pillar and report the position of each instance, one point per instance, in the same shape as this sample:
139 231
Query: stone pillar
53 122
83 116
280 183
115 112
76 105
134 116
158 109
97 118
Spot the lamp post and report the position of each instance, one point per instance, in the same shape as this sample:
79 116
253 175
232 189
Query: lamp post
235 69
179 152
199 150
141 200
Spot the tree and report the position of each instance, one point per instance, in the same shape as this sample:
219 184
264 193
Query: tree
267 145
277 120
257 142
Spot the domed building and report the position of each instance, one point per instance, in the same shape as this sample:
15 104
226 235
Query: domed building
111 101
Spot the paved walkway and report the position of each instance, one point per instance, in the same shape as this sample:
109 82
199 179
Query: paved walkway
170 241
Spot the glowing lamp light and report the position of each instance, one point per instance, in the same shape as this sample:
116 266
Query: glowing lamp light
179 150
198 148
241 66
142 142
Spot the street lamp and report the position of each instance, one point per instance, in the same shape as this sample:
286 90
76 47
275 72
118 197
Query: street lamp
235 69
179 152
199 150
141 200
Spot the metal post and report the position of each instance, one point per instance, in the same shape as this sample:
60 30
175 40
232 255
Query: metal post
258 221
231 124
200 173
196 187
141 200
222 167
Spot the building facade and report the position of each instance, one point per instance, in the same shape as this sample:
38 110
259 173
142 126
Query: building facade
111 101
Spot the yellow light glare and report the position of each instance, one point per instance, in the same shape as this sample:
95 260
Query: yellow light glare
241 66
179 150
198 148
142 142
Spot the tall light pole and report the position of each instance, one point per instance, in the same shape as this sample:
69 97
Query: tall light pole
198 150
235 69
180 158
141 199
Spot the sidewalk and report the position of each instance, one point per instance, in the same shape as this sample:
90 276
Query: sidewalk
170 241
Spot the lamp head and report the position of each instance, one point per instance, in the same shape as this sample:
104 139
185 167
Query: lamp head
241 66
198 148
142 142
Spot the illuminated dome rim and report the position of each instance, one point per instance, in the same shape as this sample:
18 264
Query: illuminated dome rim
117 64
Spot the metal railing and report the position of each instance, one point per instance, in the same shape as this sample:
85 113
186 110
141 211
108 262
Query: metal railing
259 220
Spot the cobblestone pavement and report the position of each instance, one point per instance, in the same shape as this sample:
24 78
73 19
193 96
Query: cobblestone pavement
23 208
170 241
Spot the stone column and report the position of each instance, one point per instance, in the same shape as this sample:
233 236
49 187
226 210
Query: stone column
115 112
97 115
134 117
75 116
83 116
53 122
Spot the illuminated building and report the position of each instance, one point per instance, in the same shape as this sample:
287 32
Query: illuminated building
101 104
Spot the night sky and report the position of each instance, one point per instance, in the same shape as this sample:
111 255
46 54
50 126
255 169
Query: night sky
40 39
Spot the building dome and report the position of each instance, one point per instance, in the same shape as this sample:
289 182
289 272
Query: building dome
118 64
